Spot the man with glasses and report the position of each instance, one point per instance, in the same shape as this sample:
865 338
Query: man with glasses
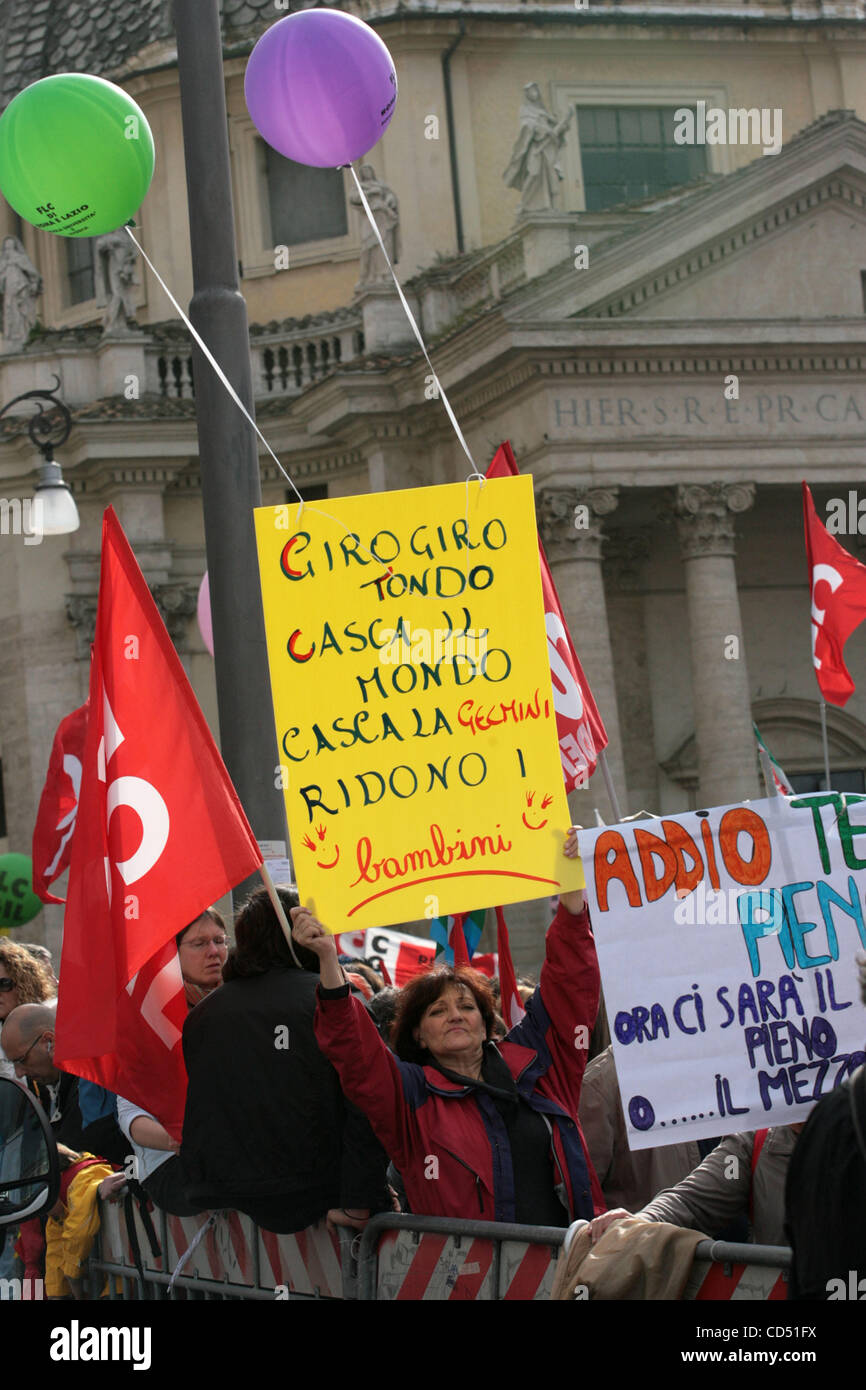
28 1041
202 948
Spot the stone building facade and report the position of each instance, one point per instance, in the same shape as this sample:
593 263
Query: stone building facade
671 346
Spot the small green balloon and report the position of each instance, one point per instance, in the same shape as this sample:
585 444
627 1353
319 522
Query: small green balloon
76 155
18 902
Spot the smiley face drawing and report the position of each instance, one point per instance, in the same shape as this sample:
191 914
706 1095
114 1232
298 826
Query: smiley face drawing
546 801
321 831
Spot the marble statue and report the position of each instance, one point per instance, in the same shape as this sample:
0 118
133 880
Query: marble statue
115 281
386 210
534 166
21 286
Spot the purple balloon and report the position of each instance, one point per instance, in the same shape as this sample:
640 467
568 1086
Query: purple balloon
320 87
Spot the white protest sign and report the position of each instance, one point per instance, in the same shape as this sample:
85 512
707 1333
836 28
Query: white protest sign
727 941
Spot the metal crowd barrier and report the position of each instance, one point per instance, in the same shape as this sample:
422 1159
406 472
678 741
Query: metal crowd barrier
224 1255
433 1257
217 1255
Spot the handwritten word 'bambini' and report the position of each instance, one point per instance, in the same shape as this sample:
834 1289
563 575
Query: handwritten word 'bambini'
424 861
385 547
437 854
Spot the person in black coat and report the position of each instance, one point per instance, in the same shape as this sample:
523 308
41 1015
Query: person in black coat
267 1130
825 1195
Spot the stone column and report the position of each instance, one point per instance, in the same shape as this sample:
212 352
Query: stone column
720 680
626 552
571 530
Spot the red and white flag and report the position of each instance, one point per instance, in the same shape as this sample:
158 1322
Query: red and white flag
579 728
400 957
58 804
160 835
837 584
511 1005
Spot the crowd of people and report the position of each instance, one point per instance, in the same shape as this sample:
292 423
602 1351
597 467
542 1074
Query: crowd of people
317 1090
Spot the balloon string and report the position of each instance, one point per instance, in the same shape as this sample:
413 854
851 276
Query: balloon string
239 403
214 363
317 511
415 329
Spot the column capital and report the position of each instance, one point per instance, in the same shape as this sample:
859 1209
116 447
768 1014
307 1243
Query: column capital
81 613
626 552
705 516
176 603
570 520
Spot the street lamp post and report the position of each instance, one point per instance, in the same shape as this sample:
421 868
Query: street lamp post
48 430
227 443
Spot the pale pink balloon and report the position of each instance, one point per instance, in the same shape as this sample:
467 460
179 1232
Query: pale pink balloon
205 623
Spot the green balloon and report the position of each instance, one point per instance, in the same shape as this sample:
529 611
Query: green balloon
18 902
76 155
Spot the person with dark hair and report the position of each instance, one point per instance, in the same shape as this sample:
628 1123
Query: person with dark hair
825 1195
266 1128
475 1129
373 978
382 1008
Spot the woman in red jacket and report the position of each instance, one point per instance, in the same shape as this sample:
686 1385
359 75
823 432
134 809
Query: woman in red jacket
476 1129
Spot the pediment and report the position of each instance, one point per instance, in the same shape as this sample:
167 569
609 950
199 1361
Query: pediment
800 260
781 238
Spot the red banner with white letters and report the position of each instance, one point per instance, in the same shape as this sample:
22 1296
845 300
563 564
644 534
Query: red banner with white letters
58 805
402 956
582 734
837 584
160 835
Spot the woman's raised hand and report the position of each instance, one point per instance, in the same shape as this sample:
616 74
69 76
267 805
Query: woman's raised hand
572 902
308 931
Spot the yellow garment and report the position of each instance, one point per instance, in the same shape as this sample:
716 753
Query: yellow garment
633 1260
68 1242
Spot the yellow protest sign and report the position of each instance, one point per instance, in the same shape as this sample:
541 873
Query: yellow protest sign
413 702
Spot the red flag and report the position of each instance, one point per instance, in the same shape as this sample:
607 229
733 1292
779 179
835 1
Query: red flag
58 805
457 941
160 835
837 583
581 733
510 1003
